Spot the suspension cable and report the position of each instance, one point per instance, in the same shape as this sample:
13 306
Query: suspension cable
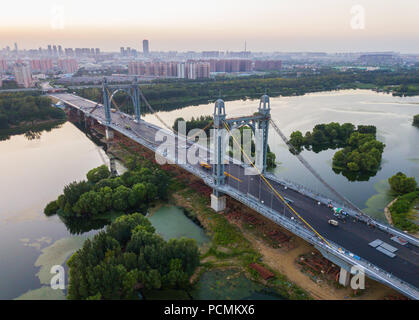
272 188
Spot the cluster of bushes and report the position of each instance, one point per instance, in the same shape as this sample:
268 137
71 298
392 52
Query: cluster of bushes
362 154
328 136
401 184
400 212
16 108
405 187
416 120
102 194
128 257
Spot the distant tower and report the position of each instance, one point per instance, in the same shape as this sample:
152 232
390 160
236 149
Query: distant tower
145 47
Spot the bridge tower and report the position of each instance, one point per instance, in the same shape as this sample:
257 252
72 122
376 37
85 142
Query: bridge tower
261 135
106 101
218 200
133 90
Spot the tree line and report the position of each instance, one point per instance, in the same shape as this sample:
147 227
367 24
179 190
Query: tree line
16 108
170 95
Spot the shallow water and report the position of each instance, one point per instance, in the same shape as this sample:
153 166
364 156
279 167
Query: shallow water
170 222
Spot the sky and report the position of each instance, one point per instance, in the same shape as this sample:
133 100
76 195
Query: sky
182 25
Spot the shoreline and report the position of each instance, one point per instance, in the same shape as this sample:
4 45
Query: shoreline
387 212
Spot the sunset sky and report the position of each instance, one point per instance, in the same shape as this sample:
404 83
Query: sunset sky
266 25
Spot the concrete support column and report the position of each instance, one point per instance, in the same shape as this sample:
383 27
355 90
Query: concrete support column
344 277
109 133
259 161
218 202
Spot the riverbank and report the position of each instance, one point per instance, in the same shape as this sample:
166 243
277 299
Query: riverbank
387 212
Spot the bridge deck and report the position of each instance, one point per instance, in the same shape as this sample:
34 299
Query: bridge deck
353 236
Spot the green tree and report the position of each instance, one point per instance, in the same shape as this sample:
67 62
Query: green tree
97 174
415 120
402 184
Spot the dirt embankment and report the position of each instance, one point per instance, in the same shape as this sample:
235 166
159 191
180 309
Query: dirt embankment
387 212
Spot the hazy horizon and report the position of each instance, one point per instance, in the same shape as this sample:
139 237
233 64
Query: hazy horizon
266 25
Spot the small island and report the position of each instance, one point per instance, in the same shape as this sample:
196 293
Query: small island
361 155
406 205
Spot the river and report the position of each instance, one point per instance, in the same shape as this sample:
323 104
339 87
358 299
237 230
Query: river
35 172
392 116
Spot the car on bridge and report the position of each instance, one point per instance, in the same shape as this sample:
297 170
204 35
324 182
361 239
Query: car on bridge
333 222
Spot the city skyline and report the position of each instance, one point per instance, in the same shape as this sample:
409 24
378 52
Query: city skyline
267 25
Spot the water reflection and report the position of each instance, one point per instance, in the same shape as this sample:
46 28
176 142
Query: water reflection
78 226
30 132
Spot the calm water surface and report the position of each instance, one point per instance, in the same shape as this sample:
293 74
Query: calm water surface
35 172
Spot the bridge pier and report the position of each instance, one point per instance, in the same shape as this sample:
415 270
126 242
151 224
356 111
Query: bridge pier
109 134
344 277
218 202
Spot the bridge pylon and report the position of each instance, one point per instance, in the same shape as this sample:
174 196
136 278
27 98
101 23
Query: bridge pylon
133 90
261 135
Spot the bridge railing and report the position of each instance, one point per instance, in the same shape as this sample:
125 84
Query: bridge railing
302 231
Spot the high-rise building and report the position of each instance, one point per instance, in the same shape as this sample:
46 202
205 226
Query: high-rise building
49 50
23 75
3 66
268 65
146 49
43 65
68 65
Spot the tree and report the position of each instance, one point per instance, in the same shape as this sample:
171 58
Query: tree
416 120
51 208
401 184
97 174
297 139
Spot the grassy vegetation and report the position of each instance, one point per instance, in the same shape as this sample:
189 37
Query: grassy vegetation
402 211
229 248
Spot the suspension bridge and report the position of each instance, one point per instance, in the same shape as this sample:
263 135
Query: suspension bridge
386 254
